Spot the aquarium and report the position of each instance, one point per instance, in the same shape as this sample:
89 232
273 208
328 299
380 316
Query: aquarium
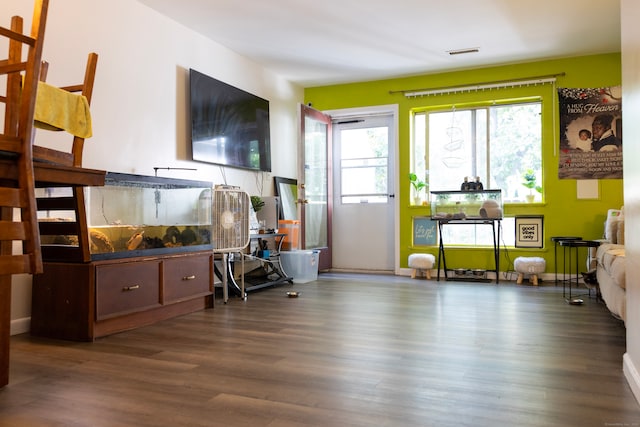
137 215
461 205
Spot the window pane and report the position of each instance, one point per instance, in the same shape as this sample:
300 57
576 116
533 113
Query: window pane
419 152
482 149
368 142
480 234
498 144
364 180
516 145
364 165
450 149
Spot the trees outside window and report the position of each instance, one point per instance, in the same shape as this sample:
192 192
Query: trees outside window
497 143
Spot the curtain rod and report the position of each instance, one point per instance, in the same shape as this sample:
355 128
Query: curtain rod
410 93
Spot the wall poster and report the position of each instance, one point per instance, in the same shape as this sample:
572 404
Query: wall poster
424 231
529 231
590 133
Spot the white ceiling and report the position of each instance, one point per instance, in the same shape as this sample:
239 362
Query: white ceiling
339 41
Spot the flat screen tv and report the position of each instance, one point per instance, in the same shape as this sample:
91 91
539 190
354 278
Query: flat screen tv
229 126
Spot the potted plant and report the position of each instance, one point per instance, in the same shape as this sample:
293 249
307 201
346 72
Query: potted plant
257 203
530 182
418 185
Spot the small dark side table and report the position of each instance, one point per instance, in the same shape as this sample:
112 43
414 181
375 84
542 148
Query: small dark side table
574 246
556 241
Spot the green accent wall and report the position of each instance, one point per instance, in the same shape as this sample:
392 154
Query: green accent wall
564 214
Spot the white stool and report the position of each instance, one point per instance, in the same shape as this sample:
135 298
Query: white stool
421 263
529 265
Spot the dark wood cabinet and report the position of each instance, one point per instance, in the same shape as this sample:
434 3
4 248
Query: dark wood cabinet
127 287
84 301
109 284
186 277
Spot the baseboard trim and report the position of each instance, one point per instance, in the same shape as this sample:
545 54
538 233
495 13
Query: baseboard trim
20 326
509 276
362 271
632 376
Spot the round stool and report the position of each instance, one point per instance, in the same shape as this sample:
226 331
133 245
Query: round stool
421 263
529 265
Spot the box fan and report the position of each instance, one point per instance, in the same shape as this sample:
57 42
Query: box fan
230 234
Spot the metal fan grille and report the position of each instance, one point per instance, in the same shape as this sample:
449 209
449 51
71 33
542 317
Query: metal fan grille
230 220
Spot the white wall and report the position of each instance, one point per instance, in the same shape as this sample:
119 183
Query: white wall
139 106
630 11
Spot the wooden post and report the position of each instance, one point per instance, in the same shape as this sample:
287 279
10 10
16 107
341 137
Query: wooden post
5 326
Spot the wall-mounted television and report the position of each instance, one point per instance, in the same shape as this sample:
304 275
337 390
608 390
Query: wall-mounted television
229 126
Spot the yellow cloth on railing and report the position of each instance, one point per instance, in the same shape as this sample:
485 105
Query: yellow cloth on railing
57 109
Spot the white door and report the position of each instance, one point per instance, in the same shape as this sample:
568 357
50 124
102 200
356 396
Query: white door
363 229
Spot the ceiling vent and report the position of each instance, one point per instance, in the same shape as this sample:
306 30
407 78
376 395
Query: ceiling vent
461 51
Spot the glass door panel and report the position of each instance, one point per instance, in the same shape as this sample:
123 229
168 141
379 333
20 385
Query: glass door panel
315 188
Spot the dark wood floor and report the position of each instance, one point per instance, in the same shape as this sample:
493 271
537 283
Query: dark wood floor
350 351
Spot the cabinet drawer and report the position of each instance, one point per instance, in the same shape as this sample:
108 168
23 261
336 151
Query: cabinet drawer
186 277
122 288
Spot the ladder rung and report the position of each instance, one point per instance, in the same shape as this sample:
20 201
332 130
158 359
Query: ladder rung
11 197
10 144
56 203
15 264
58 228
12 230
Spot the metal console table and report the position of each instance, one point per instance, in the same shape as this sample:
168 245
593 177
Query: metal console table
495 227
271 273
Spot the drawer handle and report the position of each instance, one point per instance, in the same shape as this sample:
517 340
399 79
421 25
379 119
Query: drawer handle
131 288
192 277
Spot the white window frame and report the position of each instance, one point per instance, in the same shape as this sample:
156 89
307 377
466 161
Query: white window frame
420 162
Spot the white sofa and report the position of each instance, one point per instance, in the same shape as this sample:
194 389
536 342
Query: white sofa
610 267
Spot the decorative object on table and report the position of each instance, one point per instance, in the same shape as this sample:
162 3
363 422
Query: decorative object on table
490 209
270 213
530 181
475 185
418 185
478 184
257 203
466 185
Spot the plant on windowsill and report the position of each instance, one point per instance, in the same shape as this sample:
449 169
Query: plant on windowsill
530 182
418 185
